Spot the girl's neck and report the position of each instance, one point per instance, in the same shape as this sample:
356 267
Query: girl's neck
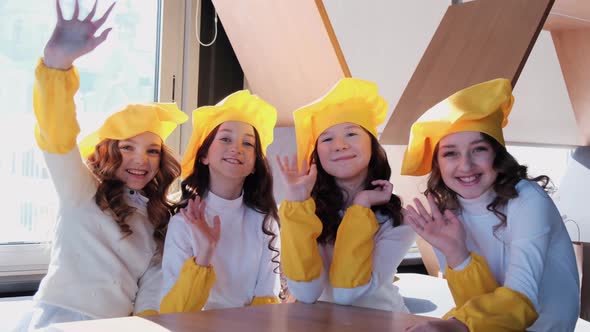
229 189
351 187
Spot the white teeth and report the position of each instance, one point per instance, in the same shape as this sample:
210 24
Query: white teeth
232 161
468 179
136 172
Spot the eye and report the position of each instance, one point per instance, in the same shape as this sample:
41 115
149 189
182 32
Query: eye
249 144
326 139
480 148
154 151
225 139
126 147
351 134
448 154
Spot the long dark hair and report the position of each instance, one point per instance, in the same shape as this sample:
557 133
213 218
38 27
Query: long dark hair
258 194
330 199
104 163
510 172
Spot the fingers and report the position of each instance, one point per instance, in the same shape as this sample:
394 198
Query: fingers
383 185
415 218
452 218
216 228
434 208
313 172
100 39
92 12
76 10
422 210
60 15
104 17
304 170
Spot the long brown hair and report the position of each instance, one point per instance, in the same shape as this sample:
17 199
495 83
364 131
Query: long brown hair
258 194
330 199
104 163
510 172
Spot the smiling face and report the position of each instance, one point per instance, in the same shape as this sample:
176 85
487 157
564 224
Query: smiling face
466 163
344 151
140 159
232 152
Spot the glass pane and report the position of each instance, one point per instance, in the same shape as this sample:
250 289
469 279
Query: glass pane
120 71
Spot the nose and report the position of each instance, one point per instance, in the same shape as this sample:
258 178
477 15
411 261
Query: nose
235 147
340 144
466 163
140 157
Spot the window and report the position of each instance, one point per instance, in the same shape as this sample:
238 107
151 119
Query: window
125 69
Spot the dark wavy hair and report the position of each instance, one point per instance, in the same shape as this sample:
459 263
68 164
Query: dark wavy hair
258 188
330 199
104 163
510 172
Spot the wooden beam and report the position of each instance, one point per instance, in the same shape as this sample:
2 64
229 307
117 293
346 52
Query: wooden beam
475 41
573 51
287 50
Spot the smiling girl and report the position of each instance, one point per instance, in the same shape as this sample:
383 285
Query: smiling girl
220 248
342 233
106 253
509 261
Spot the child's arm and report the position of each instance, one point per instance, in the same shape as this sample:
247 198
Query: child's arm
186 285
147 300
300 257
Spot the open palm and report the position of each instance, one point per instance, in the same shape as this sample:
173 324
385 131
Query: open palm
194 215
299 181
75 37
444 232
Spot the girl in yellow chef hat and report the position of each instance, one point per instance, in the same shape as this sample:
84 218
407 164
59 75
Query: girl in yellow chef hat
220 249
507 256
342 234
112 190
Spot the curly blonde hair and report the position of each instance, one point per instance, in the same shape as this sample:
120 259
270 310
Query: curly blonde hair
104 163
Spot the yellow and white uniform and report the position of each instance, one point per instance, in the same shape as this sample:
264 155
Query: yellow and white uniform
94 272
532 268
242 272
358 269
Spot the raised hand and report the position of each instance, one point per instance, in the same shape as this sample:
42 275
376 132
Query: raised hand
299 181
444 232
380 195
73 38
194 215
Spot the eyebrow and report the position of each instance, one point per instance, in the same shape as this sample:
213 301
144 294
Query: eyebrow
352 126
448 146
231 131
130 140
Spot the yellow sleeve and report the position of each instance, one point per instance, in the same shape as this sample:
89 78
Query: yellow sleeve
476 279
147 313
265 300
53 103
191 291
502 310
352 263
300 228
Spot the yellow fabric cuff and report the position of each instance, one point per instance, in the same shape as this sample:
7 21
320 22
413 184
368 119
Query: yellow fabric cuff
502 310
53 103
191 291
265 300
147 313
474 280
352 263
300 228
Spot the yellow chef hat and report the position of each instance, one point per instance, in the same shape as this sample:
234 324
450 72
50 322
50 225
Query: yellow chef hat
239 106
158 118
482 107
350 100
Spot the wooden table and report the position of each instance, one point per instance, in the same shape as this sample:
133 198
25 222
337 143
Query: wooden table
321 316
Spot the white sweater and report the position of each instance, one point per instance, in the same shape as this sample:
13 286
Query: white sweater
391 246
93 269
532 255
242 260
